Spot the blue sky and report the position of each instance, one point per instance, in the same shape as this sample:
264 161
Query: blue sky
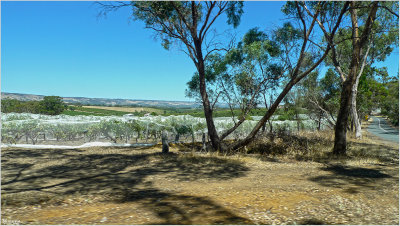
64 49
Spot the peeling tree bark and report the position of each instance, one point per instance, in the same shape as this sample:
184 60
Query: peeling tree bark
356 118
356 121
346 96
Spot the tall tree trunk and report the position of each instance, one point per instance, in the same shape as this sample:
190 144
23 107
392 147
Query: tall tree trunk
212 132
342 119
270 126
354 112
351 125
340 145
355 116
319 121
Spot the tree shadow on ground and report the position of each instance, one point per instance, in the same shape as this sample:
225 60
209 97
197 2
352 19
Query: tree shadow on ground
183 209
312 221
386 154
35 153
352 179
124 177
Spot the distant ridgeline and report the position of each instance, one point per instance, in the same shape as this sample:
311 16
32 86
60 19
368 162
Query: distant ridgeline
109 102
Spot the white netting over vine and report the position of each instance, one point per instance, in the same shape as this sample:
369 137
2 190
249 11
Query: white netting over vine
33 128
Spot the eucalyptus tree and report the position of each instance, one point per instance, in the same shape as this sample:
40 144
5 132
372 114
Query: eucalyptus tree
303 54
189 25
390 105
371 33
52 105
260 63
365 35
371 92
242 75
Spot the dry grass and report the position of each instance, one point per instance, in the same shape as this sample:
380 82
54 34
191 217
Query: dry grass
306 146
317 146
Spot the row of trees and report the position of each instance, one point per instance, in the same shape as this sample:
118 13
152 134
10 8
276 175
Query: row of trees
263 69
390 105
50 105
320 95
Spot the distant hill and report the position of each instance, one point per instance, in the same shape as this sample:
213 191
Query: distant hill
107 101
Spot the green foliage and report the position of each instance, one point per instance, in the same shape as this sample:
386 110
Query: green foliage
223 112
179 127
12 105
11 132
215 67
176 21
100 112
52 105
382 40
239 76
390 105
287 33
371 93
75 113
286 116
330 88
234 12
319 96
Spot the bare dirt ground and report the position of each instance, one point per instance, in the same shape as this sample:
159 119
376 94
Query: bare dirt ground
143 186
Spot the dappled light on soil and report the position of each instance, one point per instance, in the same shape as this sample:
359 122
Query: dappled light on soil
105 185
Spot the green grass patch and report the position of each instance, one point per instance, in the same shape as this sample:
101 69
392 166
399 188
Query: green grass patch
195 112
98 112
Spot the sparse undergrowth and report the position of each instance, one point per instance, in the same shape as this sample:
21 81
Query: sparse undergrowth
312 146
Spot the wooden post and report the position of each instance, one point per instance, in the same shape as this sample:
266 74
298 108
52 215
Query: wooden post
204 142
165 147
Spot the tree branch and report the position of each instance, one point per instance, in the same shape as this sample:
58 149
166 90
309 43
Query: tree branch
390 11
220 11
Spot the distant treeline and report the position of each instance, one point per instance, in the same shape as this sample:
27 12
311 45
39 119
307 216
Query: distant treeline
390 105
53 105
50 105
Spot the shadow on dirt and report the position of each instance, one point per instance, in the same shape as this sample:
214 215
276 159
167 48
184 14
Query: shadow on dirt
183 209
311 222
386 154
120 178
14 153
352 179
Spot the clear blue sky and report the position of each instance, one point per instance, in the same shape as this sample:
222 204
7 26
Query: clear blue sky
64 49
